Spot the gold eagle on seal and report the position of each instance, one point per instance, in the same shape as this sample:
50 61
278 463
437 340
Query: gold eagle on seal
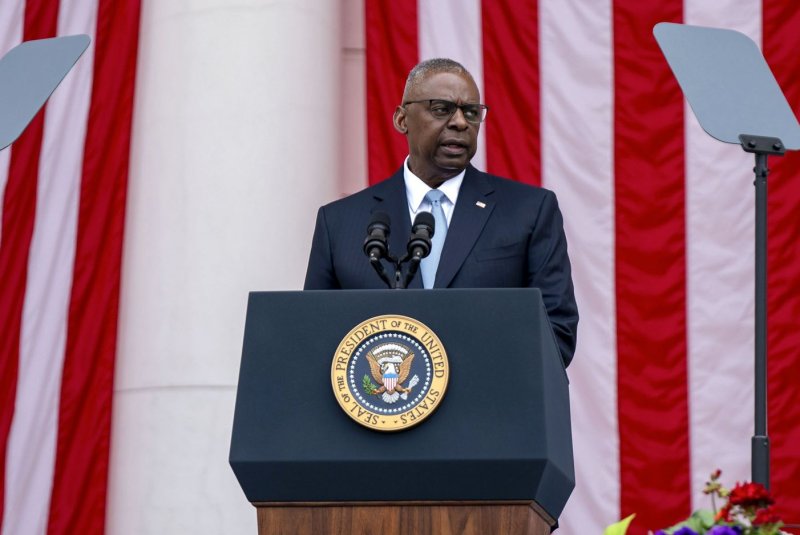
390 365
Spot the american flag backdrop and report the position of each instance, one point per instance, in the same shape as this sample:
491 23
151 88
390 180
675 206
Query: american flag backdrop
63 186
659 219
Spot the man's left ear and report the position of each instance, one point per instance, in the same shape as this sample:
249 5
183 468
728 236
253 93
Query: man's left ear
399 120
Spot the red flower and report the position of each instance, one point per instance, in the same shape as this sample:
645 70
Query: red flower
766 516
724 514
750 495
712 485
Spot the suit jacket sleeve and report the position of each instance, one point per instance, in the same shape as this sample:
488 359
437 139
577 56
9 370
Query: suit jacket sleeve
320 274
549 270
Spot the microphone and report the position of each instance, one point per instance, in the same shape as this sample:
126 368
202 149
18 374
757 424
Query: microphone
375 245
419 245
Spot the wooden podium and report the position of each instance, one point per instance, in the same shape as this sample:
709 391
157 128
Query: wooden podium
406 518
495 457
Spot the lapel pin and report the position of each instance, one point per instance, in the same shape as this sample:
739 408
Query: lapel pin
480 204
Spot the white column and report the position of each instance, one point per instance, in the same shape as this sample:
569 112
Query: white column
353 106
235 145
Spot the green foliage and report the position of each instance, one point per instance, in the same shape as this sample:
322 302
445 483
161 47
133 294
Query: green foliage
700 521
368 386
747 509
620 528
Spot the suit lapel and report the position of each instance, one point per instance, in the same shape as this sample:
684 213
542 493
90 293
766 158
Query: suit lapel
392 199
473 209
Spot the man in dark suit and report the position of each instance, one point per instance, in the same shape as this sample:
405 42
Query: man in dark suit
498 233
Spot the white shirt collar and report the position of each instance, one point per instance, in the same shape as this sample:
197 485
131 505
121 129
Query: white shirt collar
416 189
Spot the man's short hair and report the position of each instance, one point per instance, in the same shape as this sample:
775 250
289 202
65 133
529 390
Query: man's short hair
423 69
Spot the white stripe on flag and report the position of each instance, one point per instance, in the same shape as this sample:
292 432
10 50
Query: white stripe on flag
577 163
11 27
32 439
720 274
452 29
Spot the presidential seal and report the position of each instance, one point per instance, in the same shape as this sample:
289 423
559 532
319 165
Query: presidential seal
389 373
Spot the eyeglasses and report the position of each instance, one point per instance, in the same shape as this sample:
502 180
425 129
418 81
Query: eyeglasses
444 109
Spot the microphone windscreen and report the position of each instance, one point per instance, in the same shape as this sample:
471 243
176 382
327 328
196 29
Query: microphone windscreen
425 218
381 218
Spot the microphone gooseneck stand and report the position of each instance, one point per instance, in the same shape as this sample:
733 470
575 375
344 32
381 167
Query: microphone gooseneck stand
377 249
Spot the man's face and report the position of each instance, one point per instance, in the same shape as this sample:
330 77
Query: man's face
439 149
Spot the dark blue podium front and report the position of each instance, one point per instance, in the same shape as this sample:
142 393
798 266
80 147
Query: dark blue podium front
501 434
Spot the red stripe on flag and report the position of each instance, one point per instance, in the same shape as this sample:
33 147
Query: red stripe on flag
80 480
781 20
513 140
19 210
392 51
650 270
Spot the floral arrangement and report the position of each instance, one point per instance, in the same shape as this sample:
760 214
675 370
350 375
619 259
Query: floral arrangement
747 510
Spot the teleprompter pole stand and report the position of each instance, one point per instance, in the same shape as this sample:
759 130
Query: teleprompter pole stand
734 94
762 147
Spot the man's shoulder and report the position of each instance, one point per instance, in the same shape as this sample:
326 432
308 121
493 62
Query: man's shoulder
511 188
366 196
351 200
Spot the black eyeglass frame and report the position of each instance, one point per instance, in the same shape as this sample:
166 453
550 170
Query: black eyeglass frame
482 108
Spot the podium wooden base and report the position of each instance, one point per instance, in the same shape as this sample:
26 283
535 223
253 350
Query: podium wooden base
419 518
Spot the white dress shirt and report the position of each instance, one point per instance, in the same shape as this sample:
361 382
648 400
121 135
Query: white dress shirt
416 190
